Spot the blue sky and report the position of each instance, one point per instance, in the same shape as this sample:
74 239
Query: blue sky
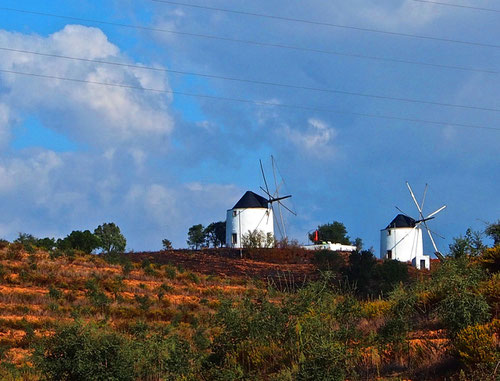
75 155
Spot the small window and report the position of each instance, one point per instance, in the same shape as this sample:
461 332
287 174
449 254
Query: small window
234 238
422 264
389 254
388 232
235 213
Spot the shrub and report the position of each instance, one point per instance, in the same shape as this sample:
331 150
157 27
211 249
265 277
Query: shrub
377 308
3 244
170 272
490 259
14 251
329 260
389 274
461 305
461 308
97 297
478 344
127 267
79 352
143 301
193 277
54 293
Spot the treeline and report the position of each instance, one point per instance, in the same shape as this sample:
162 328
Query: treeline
106 237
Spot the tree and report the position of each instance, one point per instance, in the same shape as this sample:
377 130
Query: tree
79 240
335 232
215 234
111 240
196 236
471 244
358 242
167 244
257 239
493 230
26 239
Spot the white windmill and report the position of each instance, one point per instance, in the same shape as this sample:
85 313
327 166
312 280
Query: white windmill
402 238
254 213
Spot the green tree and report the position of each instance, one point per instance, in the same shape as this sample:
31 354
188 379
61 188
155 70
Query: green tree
167 244
335 232
196 236
111 240
470 244
46 243
257 239
215 233
493 230
26 239
358 242
79 240
360 271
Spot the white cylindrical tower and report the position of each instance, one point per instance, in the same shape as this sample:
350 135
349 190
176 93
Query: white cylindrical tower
250 214
402 240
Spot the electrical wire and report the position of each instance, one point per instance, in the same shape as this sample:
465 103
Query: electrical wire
257 82
248 101
257 43
321 23
458 6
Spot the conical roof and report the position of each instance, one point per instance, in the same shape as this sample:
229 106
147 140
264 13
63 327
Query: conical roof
402 221
251 200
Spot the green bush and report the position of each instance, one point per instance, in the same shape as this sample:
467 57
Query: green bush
81 353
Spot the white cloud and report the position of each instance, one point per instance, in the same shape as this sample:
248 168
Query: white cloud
316 140
101 115
33 173
4 124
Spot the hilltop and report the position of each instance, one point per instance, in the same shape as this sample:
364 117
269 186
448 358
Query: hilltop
180 314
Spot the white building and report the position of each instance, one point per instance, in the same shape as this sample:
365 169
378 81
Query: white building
251 214
331 246
402 240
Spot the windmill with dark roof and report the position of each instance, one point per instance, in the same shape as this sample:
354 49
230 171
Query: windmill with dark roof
254 213
402 239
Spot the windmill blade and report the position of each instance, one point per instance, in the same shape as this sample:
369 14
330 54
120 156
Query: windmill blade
278 196
423 198
439 235
434 213
266 192
264 177
276 221
436 251
431 238
287 208
411 231
414 200
406 214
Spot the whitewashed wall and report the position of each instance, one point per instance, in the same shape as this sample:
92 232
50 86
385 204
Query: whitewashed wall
406 245
241 221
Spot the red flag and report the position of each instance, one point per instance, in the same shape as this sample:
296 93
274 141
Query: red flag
316 236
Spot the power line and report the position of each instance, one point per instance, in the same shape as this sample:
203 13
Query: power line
458 6
257 43
321 23
248 101
265 83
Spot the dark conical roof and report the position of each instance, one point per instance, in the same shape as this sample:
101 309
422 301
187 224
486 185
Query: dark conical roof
402 221
251 200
